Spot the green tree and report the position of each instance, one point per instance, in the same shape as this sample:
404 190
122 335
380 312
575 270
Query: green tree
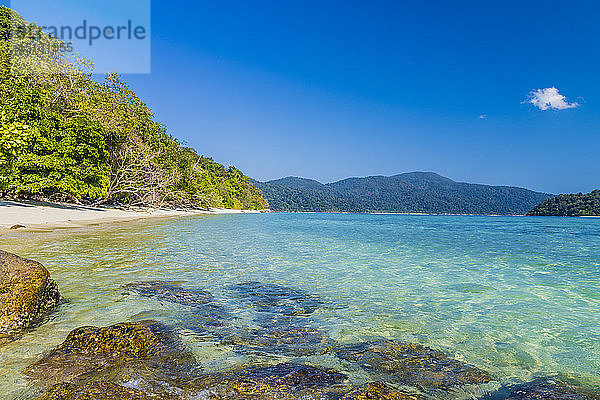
65 134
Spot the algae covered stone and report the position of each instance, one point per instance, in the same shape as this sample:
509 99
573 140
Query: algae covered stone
26 293
281 381
100 390
125 340
412 364
378 391
146 351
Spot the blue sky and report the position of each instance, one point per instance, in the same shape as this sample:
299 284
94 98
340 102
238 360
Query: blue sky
328 90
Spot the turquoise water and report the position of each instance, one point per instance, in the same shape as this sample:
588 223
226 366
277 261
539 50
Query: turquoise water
516 296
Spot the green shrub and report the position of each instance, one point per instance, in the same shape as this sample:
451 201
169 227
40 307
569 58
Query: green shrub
67 157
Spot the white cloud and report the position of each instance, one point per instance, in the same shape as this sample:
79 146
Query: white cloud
549 99
483 116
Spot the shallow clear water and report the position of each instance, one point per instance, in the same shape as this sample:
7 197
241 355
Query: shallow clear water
516 296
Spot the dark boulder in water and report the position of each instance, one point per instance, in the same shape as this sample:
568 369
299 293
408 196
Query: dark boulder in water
378 391
550 389
276 299
281 381
172 292
207 318
289 341
412 364
203 315
290 375
146 352
27 293
100 390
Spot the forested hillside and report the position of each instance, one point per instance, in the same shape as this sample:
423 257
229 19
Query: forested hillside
570 205
318 198
418 192
64 135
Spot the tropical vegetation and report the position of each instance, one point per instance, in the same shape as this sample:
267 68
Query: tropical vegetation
570 205
65 135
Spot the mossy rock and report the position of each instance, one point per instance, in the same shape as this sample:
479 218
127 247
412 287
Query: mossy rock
27 293
378 391
125 340
100 390
146 351
551 389
412 364
281 381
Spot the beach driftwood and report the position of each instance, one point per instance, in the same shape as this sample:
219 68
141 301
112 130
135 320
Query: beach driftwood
27 293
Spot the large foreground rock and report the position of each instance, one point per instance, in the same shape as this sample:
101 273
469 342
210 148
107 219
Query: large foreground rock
26 293
146 354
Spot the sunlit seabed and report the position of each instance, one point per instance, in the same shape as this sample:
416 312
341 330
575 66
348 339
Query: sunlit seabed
516 296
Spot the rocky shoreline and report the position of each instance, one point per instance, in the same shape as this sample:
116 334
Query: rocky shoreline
148 360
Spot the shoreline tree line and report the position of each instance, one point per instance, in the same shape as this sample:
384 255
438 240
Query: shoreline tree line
66 136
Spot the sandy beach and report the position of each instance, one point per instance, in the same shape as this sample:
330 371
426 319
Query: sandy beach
49 216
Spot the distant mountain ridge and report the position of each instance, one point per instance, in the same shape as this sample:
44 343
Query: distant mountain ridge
418 192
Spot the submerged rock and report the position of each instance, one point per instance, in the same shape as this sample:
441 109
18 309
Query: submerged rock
145 351
276 299
412 364
172 292
100 390
210 318
203 316
26 293
289 341
281 381
550 389
378 391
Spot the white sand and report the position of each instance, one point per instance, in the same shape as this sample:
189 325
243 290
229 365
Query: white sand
46 216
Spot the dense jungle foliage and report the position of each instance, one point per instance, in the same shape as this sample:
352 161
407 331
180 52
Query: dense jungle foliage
64 135
570 205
